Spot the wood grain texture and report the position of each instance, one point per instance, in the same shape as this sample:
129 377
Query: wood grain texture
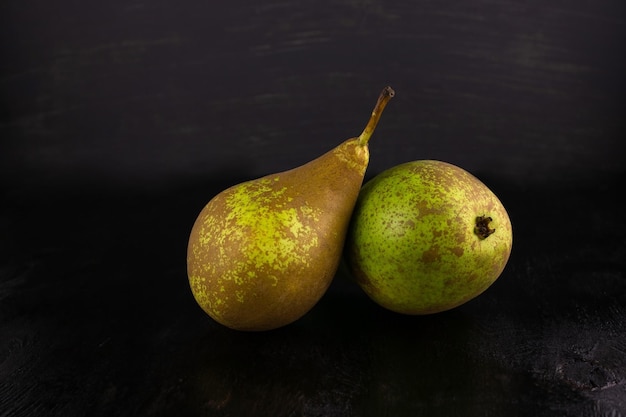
96 318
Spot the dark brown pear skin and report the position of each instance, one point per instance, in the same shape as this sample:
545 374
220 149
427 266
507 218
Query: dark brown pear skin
263 252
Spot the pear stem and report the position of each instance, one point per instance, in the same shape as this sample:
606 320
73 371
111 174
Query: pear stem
383 99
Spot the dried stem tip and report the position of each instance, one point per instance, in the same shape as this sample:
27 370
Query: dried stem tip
383 99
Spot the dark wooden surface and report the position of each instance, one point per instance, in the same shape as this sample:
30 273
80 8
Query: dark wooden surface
120 120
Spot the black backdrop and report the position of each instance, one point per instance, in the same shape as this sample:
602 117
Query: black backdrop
121 119
151 91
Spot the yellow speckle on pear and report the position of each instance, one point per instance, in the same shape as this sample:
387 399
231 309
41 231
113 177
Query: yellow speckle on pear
263 252
412 245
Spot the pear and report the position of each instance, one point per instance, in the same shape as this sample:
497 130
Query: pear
262 253
427 236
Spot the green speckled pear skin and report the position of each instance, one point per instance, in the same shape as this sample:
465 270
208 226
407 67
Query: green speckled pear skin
427 236
262 253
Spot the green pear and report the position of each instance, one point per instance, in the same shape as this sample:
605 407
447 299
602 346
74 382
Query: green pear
262 253
427 236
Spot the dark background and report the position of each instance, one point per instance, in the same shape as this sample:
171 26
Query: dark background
121 119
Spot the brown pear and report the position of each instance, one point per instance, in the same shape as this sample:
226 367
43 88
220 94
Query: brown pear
262 253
